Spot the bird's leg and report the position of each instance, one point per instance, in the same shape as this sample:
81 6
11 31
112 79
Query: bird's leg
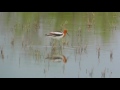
61 45
53 43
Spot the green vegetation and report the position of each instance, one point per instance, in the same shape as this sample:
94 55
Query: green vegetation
101 22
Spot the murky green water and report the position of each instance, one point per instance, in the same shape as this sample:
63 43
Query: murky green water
90 50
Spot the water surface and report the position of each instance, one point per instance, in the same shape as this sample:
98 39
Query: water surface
90 51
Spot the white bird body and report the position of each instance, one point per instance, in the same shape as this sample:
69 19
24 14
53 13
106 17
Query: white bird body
57 35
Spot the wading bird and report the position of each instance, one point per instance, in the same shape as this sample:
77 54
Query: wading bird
57 35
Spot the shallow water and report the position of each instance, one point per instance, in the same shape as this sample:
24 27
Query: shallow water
90 51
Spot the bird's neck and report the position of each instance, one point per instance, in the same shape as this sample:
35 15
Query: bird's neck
64 34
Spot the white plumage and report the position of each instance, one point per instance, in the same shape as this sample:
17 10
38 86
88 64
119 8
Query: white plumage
57 35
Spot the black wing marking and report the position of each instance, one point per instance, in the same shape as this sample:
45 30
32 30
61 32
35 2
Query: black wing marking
57 35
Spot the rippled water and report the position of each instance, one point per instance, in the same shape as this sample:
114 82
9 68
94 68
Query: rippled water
90 51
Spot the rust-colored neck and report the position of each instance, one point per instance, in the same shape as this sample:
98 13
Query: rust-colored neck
65 32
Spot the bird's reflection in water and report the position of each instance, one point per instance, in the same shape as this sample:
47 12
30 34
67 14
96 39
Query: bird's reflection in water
56 55
57 58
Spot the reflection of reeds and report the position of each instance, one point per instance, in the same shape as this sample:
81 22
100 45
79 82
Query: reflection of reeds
98 52
85 48
48 65
37 54
103 73
19 62
91 73
81 49
22 44
86 71
79 65
78 75
110 74
12 42
111 55
44 70
2 54
63 68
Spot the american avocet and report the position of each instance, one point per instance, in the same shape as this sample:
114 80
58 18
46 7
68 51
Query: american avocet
57 35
